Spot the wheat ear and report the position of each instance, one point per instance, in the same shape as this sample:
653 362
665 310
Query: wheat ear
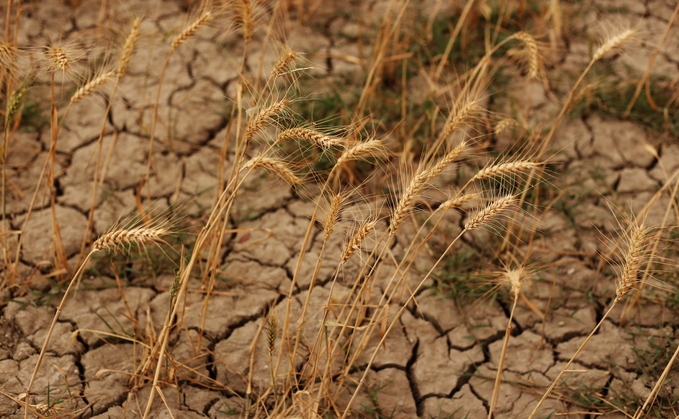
533 53
283 63
459 116
636 252
262 118
128 49
190 30
356 241
456 202
504 169
248 24
407 200
275 166
91 86
59 59
7 54
447 159
308 135
332 216
360 149
117 239
613 43
491 211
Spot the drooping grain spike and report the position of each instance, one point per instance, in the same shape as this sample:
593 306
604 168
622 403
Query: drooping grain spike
275 166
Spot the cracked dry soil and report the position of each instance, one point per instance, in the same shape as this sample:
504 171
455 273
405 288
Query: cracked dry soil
441 359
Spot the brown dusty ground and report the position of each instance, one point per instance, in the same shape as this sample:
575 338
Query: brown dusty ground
441 360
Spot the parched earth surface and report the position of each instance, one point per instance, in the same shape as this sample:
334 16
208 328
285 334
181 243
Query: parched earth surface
442 358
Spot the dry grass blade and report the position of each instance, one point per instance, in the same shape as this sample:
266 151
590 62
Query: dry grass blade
332 216
130 42
308 135
636 253
356 241
190 30
504 169
613 43
140 236
488 213
275 166
447 159
407 200
262 118
91 86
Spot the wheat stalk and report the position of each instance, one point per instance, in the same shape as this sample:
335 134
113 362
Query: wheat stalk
130 42
190 30
91 86
487 214
533 54
126 237
447 159
332 216
308 135
283 63
262 118
613 42
636 252
274 166
504 169
356 241
407 199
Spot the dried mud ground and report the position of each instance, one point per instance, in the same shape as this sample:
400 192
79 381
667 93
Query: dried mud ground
441 360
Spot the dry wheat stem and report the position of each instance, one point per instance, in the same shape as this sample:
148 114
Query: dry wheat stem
356 241
309 135
505 169
612 43
274 166
91 86
447 159
407 200
488 213
140 236
533 54
190 30
262 118
332 216
128 49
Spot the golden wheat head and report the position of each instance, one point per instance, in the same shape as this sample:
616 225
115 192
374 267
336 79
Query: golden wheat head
490 212
355 243
120 239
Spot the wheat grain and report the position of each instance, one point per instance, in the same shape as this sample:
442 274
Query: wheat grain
190 30
447 159
488 213
504 169
262 118
636 252
459 116
140 236
248 24
130 42
90 86
504 124
332 216
356 241
614 42
407 200
533 54
272 332
275 166
308 135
